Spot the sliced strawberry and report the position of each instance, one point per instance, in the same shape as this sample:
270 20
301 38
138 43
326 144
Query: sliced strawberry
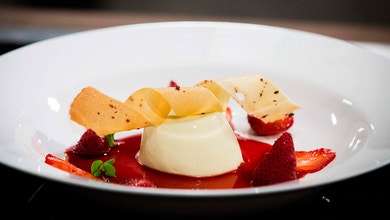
313 161
91 145
278 164
66 166
270 128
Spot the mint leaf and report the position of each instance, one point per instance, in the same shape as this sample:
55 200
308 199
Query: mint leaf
98 168
95 167
108 169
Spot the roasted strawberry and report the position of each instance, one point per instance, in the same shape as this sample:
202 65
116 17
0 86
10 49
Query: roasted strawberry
270 128
313 161
278 164
91 145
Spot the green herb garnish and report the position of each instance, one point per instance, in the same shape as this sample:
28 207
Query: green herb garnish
98 167
110 139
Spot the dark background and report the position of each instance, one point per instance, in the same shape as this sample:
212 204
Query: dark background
369 13
361 11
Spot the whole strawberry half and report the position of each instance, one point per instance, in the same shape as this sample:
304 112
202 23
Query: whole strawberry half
278 164
270 128
91 145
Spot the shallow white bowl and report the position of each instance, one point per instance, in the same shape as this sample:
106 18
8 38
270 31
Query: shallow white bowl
342 89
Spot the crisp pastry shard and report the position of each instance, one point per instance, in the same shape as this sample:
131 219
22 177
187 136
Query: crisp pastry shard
145 107
186 101
256 94
104 114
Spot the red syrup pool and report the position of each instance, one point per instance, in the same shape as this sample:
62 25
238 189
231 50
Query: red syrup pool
127 166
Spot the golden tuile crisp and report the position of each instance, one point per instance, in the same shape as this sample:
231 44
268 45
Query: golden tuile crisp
257 95
151 106
186 101
157 103
222 95
151 103
103 114
145 107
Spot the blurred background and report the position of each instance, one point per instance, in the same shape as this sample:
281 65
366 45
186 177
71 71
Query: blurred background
26 21
373 11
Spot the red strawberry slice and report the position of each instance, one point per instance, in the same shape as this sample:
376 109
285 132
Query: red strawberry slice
270 128
278 165
313 161
67 167
91 145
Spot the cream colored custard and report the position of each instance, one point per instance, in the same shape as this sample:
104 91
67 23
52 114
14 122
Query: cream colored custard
197 146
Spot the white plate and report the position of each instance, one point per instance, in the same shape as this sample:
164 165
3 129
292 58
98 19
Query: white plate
342 89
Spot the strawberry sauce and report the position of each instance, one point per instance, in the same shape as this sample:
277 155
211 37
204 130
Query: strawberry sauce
127 166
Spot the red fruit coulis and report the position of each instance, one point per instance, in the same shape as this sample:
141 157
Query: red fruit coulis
127 167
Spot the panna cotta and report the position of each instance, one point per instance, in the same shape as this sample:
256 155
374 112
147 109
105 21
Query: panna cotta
197 146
